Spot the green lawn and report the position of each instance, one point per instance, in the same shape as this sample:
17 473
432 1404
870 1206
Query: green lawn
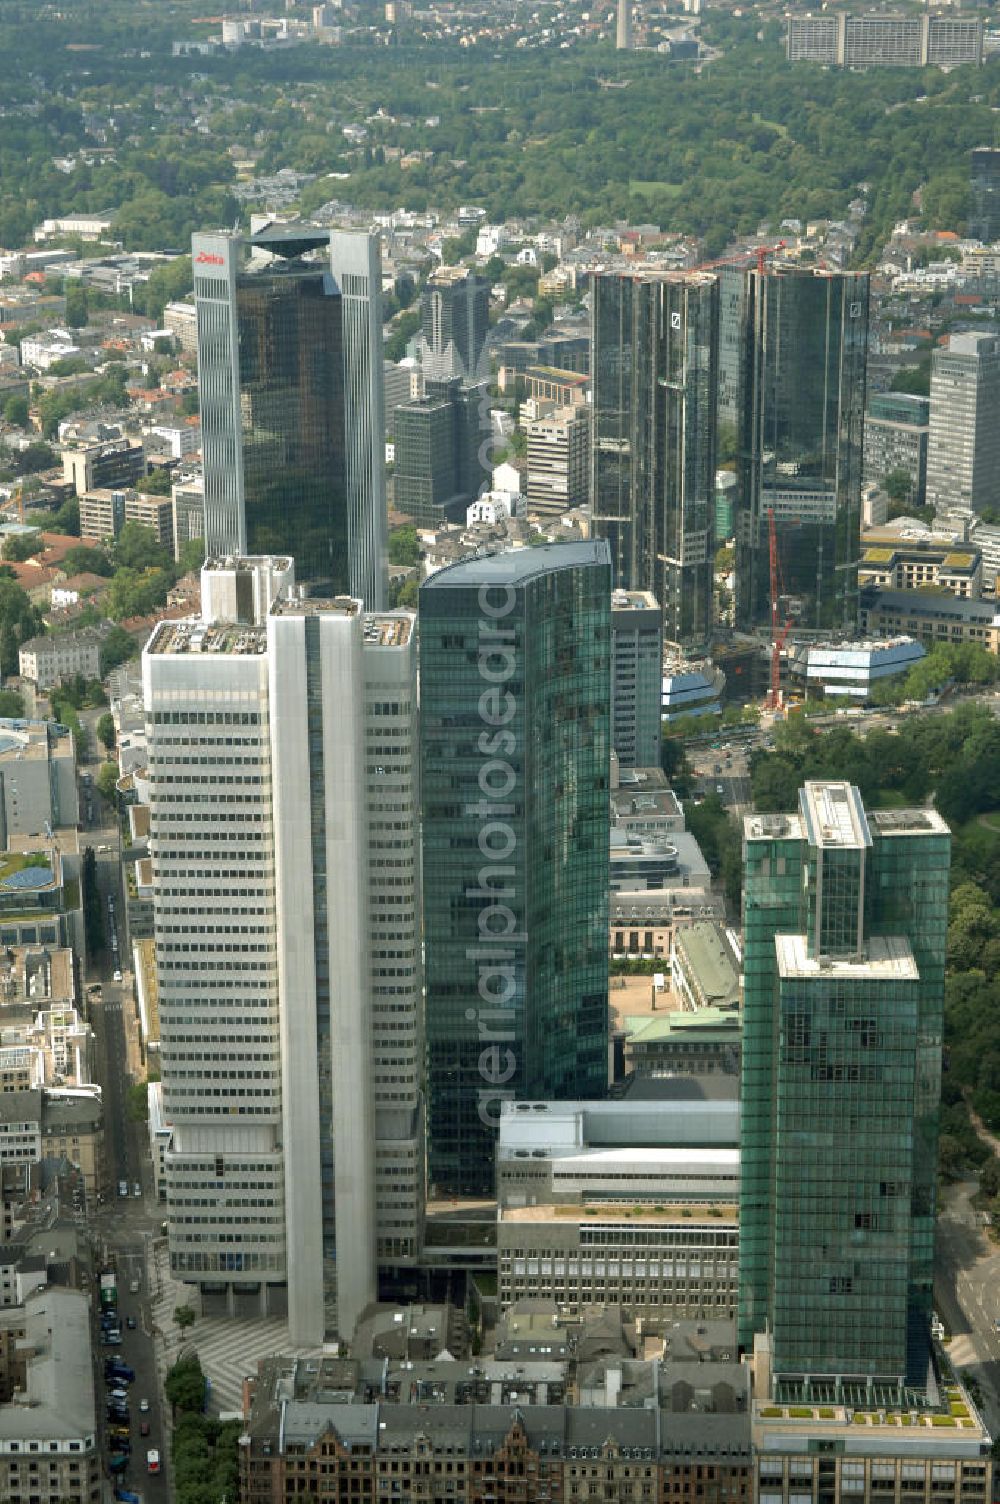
648 188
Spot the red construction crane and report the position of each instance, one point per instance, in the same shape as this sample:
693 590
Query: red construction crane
779 634
743 258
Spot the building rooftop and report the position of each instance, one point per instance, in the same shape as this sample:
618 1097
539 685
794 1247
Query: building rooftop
888 958
337 605
58 1401
712 1023
192 635
392 630
518 565
834 815
662 1214
248 563
704 947
633 600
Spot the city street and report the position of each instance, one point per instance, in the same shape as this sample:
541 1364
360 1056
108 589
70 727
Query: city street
123 1226
967 1295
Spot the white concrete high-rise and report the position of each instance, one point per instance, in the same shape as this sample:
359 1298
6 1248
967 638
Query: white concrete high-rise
326 784
963 440
623 30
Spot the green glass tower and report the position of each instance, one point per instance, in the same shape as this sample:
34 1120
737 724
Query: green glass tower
515 679
844 926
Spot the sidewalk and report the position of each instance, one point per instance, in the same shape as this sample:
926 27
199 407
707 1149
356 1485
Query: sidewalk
228 1347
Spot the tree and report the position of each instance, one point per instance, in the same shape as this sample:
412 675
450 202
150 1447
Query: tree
106 730
86 560
118 647
184 1316
67 519
158 482
898 485
184 1385
192 556
76 305
34 457
21 546
15 410
11 703
404 547
107 782
137 547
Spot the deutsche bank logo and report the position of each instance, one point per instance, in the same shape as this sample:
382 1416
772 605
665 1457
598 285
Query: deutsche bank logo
675 321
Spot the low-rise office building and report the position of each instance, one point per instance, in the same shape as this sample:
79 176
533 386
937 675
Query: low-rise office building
104 512
643 803
930 617
705 965
892 563
852 670
698 1044
630 1203
37 778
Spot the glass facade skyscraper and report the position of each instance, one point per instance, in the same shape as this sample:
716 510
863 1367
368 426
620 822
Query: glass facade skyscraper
800 436
844 929
655 377
289 396
515 686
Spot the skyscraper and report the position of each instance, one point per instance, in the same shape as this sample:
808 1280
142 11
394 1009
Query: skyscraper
655 375
800 435
291 1009
963 441
623 26
455 318
438 439
515 683
984 219
636 678
845 917
290 383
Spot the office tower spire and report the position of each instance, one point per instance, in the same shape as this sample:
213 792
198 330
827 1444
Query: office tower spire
845 919
654 371
800 434
515 686
291 402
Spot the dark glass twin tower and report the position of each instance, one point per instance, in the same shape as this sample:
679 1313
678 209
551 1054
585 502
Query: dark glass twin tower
790 357
290 385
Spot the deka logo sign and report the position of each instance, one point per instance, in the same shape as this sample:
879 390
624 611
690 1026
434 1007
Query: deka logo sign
208 258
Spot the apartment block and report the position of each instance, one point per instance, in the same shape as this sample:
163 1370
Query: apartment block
558 460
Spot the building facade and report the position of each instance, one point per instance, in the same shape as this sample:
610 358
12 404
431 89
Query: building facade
515 690
437 446
963 444
558 460
896 430
455 318
636 678
800 445
984 181
845 916
291 404
654 371
290 1022
877 40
